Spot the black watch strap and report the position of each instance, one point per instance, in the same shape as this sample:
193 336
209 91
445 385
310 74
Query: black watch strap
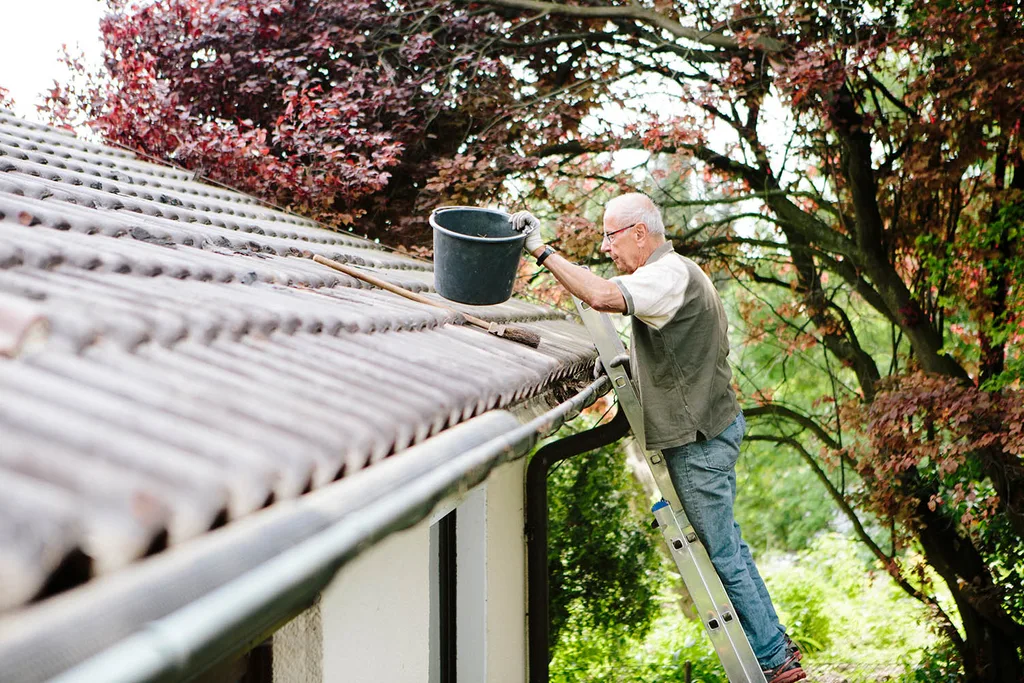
548 251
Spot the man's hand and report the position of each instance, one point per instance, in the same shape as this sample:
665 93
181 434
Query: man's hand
622 359
526 222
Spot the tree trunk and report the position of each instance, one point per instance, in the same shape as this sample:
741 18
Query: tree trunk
992 638
988 656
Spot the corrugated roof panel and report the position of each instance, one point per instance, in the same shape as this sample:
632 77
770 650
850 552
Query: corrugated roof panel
171 358
40 530
125 515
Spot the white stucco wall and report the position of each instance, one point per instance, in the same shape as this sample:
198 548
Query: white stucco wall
492 579
472 591
506 575
373 622
298 648
375 615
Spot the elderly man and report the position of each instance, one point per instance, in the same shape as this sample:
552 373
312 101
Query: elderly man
679 346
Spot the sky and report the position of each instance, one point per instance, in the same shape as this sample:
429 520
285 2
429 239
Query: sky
34 31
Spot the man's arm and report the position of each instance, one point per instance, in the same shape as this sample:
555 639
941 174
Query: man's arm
600 294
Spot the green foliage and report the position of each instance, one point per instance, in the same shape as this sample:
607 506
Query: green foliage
601 557
672 643
847 617
802 600
588 653
841 609
781 505
661 657
939 665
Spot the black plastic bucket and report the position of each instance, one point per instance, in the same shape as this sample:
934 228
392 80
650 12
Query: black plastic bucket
476 253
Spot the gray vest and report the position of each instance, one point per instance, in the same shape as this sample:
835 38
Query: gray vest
682 369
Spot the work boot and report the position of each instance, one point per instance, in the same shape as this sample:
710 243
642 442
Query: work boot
787 672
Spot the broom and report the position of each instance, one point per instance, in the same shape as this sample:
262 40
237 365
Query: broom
516 334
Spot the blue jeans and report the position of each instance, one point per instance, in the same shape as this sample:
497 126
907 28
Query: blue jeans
704 474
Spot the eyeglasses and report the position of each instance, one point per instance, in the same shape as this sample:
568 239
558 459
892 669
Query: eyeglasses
608 235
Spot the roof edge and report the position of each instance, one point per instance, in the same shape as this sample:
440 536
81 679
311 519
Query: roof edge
179 613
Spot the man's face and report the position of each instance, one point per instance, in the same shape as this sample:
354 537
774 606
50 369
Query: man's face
622 242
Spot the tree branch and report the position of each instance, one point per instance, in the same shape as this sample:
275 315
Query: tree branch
871 252
777 200
774 409
638 14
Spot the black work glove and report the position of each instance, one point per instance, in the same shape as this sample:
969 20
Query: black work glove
620 360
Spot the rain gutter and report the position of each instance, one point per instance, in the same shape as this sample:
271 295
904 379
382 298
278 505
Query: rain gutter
537 530
181 612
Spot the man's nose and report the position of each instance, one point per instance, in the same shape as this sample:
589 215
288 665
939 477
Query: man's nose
606 246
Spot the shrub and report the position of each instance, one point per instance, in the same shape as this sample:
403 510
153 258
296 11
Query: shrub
801 596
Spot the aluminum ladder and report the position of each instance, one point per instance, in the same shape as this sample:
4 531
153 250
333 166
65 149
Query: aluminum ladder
699 575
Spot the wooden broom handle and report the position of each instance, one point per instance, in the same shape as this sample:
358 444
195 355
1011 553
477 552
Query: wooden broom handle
395 289
376 281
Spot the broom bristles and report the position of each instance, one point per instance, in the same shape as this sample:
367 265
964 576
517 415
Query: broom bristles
518 334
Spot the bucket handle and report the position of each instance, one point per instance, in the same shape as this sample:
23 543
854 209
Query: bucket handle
455 206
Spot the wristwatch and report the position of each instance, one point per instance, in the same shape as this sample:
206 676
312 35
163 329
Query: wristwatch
548 251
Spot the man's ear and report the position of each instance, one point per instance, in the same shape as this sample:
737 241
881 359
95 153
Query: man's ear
640 232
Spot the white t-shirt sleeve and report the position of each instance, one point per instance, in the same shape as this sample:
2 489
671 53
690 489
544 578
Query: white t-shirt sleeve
656 291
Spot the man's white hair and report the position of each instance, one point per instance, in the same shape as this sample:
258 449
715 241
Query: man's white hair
635 207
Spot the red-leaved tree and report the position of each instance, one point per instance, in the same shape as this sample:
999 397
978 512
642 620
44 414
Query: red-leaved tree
342 110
